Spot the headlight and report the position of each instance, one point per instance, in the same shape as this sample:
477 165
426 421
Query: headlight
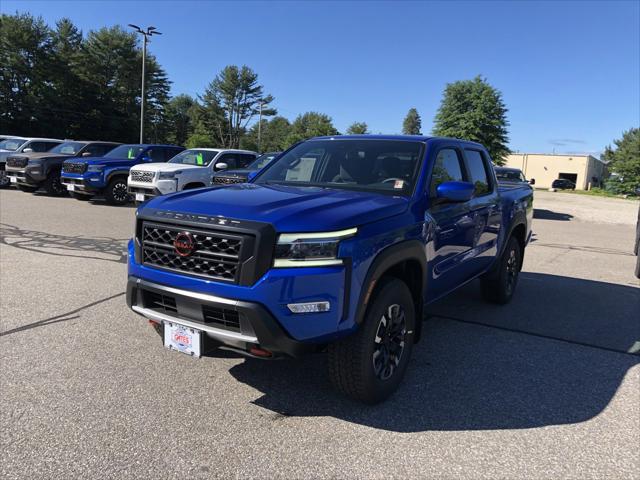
95 168
310 249
168 175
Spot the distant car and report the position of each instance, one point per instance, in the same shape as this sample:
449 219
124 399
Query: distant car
512 175
30 171
245 174
190 169
563 184
12 145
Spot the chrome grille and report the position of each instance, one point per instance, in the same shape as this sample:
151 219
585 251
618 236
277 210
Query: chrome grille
74 167
228 180
216 255
142 176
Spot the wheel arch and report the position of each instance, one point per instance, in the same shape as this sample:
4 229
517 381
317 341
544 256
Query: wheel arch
407 262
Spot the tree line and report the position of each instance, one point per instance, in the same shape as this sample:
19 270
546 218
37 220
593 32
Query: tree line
58 82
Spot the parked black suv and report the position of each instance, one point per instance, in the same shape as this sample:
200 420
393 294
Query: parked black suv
563 184
31 171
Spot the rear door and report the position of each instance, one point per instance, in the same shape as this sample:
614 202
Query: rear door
449 225
484 210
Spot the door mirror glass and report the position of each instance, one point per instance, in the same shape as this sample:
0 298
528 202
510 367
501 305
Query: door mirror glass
221 166
455 191
146 159
86 154
532 181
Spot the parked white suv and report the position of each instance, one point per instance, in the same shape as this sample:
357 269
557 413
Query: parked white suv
191 168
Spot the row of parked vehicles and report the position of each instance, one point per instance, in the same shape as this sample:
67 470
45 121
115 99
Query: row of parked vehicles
118 172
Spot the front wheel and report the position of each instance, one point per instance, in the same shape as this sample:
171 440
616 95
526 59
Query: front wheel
53 185
499 285
116 193
370 364
4 179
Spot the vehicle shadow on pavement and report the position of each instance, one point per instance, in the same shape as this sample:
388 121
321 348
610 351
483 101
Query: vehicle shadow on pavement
112 249
474 373
542 214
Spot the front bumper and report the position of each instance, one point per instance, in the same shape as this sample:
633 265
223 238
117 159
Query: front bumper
147 191
250 324
86 184
25 176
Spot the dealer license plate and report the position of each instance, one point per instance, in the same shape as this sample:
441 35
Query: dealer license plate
139 197
14 179
71 188
184 339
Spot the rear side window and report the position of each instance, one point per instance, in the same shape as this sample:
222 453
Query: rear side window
447 168
477 168
231 159
157 155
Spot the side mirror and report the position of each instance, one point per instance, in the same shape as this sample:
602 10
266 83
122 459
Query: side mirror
252 175
86 154
455 191
27 150
146 159
221 166
532 181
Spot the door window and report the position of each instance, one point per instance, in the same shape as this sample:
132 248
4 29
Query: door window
41 146
157 155
477 168
447 168
231 159
245 159
97 150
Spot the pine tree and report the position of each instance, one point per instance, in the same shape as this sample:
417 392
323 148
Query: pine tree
412 123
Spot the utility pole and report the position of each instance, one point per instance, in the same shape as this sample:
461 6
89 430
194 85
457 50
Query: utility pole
145 35
260 129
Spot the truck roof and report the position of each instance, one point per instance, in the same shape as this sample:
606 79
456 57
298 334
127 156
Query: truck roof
408 138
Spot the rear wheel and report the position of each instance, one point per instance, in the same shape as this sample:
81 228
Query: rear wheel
81 196
370 364
27 188
53 185
116 193
499 285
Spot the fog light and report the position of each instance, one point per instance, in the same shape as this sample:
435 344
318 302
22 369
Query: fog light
309 307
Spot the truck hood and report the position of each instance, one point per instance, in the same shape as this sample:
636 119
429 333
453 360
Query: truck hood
111 162
288 209
167 167
40 155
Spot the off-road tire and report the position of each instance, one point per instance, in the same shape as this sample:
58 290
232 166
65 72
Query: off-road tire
53 185
499 285
116 191
351 361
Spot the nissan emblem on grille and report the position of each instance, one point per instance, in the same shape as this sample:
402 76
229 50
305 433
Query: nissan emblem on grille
184 244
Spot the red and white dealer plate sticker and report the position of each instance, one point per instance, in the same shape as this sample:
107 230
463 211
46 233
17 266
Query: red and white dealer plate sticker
184 339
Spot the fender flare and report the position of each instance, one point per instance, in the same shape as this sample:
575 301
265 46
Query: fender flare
384 260
518 219
116 172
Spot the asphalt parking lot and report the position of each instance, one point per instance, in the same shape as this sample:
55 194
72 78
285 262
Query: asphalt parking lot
547 386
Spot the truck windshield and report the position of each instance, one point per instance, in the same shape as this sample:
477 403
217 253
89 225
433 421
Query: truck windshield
125 151
198 158
11 144
68 148
384 166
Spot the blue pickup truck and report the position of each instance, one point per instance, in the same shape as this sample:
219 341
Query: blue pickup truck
107 175
339 245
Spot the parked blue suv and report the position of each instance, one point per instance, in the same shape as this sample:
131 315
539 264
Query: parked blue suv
107 175
339 245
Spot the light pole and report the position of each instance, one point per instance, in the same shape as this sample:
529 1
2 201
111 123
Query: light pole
260 128
145 35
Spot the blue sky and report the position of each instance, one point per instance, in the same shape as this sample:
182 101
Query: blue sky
569 71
